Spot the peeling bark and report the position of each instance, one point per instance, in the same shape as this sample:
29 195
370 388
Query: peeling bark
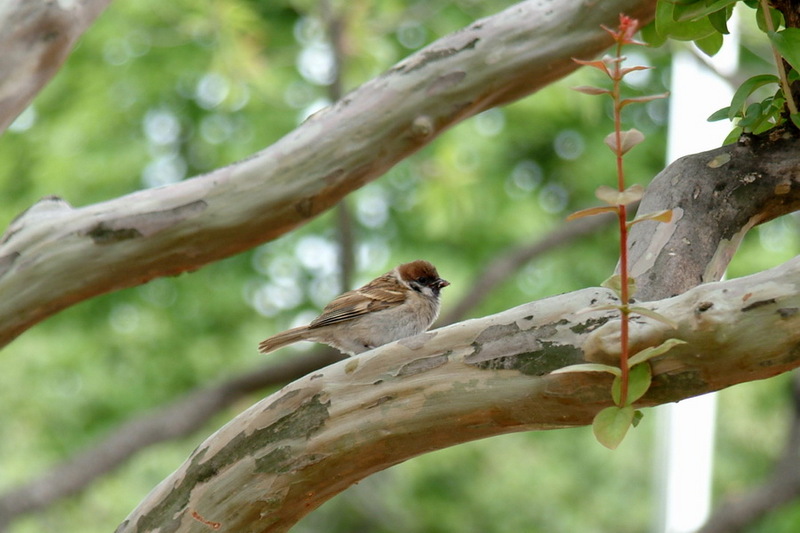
716 197
51 262
295 449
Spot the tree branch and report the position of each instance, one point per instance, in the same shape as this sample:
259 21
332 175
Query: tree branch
292 451
36 38
178 419
717 197
180 227
187 414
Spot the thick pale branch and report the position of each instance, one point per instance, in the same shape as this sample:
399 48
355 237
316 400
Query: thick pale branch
292 451
54 255
187 414
36 38
717 196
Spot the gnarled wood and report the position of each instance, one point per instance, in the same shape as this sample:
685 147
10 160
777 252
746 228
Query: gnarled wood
716 197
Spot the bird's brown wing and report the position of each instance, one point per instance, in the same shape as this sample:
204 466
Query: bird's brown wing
375 296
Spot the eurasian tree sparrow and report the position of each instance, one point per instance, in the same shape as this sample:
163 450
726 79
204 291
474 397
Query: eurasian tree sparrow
401 303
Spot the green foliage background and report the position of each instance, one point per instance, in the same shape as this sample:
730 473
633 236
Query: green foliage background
161 91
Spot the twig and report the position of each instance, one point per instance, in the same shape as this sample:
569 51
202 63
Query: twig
787 92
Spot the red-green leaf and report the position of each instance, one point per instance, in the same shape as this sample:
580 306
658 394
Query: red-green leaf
592 211
612 196
611 424
597 63
649 353
639 379
614 283
588 367
658 216
628 139
649 313
626 70
642 99
588 89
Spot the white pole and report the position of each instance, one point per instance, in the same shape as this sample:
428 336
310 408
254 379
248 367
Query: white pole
685 430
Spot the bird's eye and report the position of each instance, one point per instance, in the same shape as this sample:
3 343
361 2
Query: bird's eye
424 280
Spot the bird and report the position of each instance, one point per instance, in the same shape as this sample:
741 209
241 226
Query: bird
401 303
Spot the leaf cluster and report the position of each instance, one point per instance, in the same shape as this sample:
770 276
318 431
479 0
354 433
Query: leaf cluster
705 22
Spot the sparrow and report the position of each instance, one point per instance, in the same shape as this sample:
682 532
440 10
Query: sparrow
401 303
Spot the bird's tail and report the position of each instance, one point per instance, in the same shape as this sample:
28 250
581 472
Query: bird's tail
280 340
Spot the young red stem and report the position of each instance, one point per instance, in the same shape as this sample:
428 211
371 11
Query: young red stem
623 229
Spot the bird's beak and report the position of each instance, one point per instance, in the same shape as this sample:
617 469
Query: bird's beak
441 283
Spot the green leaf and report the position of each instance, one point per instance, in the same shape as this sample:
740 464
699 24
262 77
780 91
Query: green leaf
710 45
654 351
733 136
795 117
787 42
588 367
746 89
651 35
753 117
637 417
719 114
611 424
639 379
777 19
719 20
695 10
663 20
628 139
689 30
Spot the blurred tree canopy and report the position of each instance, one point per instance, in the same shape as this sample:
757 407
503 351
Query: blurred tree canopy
157 92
